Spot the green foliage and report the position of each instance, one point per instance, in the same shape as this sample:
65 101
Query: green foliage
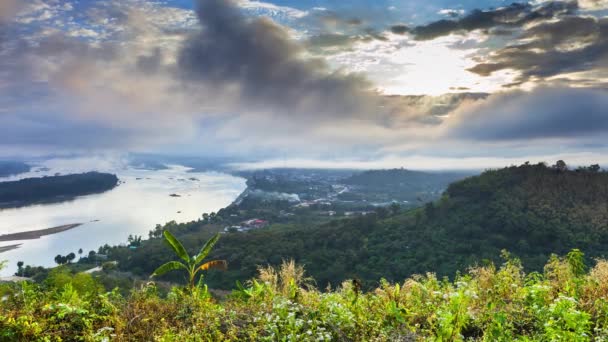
488 303
192 265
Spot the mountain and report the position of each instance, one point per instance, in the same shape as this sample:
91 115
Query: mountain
530 210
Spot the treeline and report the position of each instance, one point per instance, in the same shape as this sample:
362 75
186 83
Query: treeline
54 188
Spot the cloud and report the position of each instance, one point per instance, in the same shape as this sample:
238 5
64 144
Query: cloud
151 78
134 75
452 13
544 113
593 5
254 64
571 44
400 29
586 5
8 9
71 91
514 15
271 10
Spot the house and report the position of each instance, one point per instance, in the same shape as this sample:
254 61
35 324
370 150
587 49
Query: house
247 225
255 224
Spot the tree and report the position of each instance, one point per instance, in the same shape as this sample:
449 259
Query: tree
561 166
70 257
193 264
59 259
19 268
80 253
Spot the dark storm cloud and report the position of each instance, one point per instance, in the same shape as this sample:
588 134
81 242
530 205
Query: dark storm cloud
400 29
540 114
549 49
514 15
268 68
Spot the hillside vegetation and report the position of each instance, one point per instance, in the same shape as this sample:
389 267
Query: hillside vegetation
564 303
530 210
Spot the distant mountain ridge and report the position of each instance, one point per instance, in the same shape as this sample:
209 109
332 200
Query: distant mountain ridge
402 184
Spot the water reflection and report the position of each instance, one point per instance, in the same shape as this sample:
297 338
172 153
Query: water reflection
135 207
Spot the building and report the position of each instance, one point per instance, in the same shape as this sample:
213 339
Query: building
248 225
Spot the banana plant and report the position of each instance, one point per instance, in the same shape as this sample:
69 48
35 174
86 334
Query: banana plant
191 264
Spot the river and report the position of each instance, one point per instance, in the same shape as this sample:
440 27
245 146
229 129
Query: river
141 201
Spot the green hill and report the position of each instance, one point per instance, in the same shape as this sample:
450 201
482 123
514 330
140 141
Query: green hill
530 210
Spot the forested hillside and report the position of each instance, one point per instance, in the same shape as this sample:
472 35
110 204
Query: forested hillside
530 210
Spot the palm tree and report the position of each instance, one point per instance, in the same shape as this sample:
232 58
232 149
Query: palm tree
191 264
70 257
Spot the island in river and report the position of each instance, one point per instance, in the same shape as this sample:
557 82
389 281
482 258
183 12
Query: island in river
53 189
36 234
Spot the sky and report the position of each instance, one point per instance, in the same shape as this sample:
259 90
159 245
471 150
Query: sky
431 84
